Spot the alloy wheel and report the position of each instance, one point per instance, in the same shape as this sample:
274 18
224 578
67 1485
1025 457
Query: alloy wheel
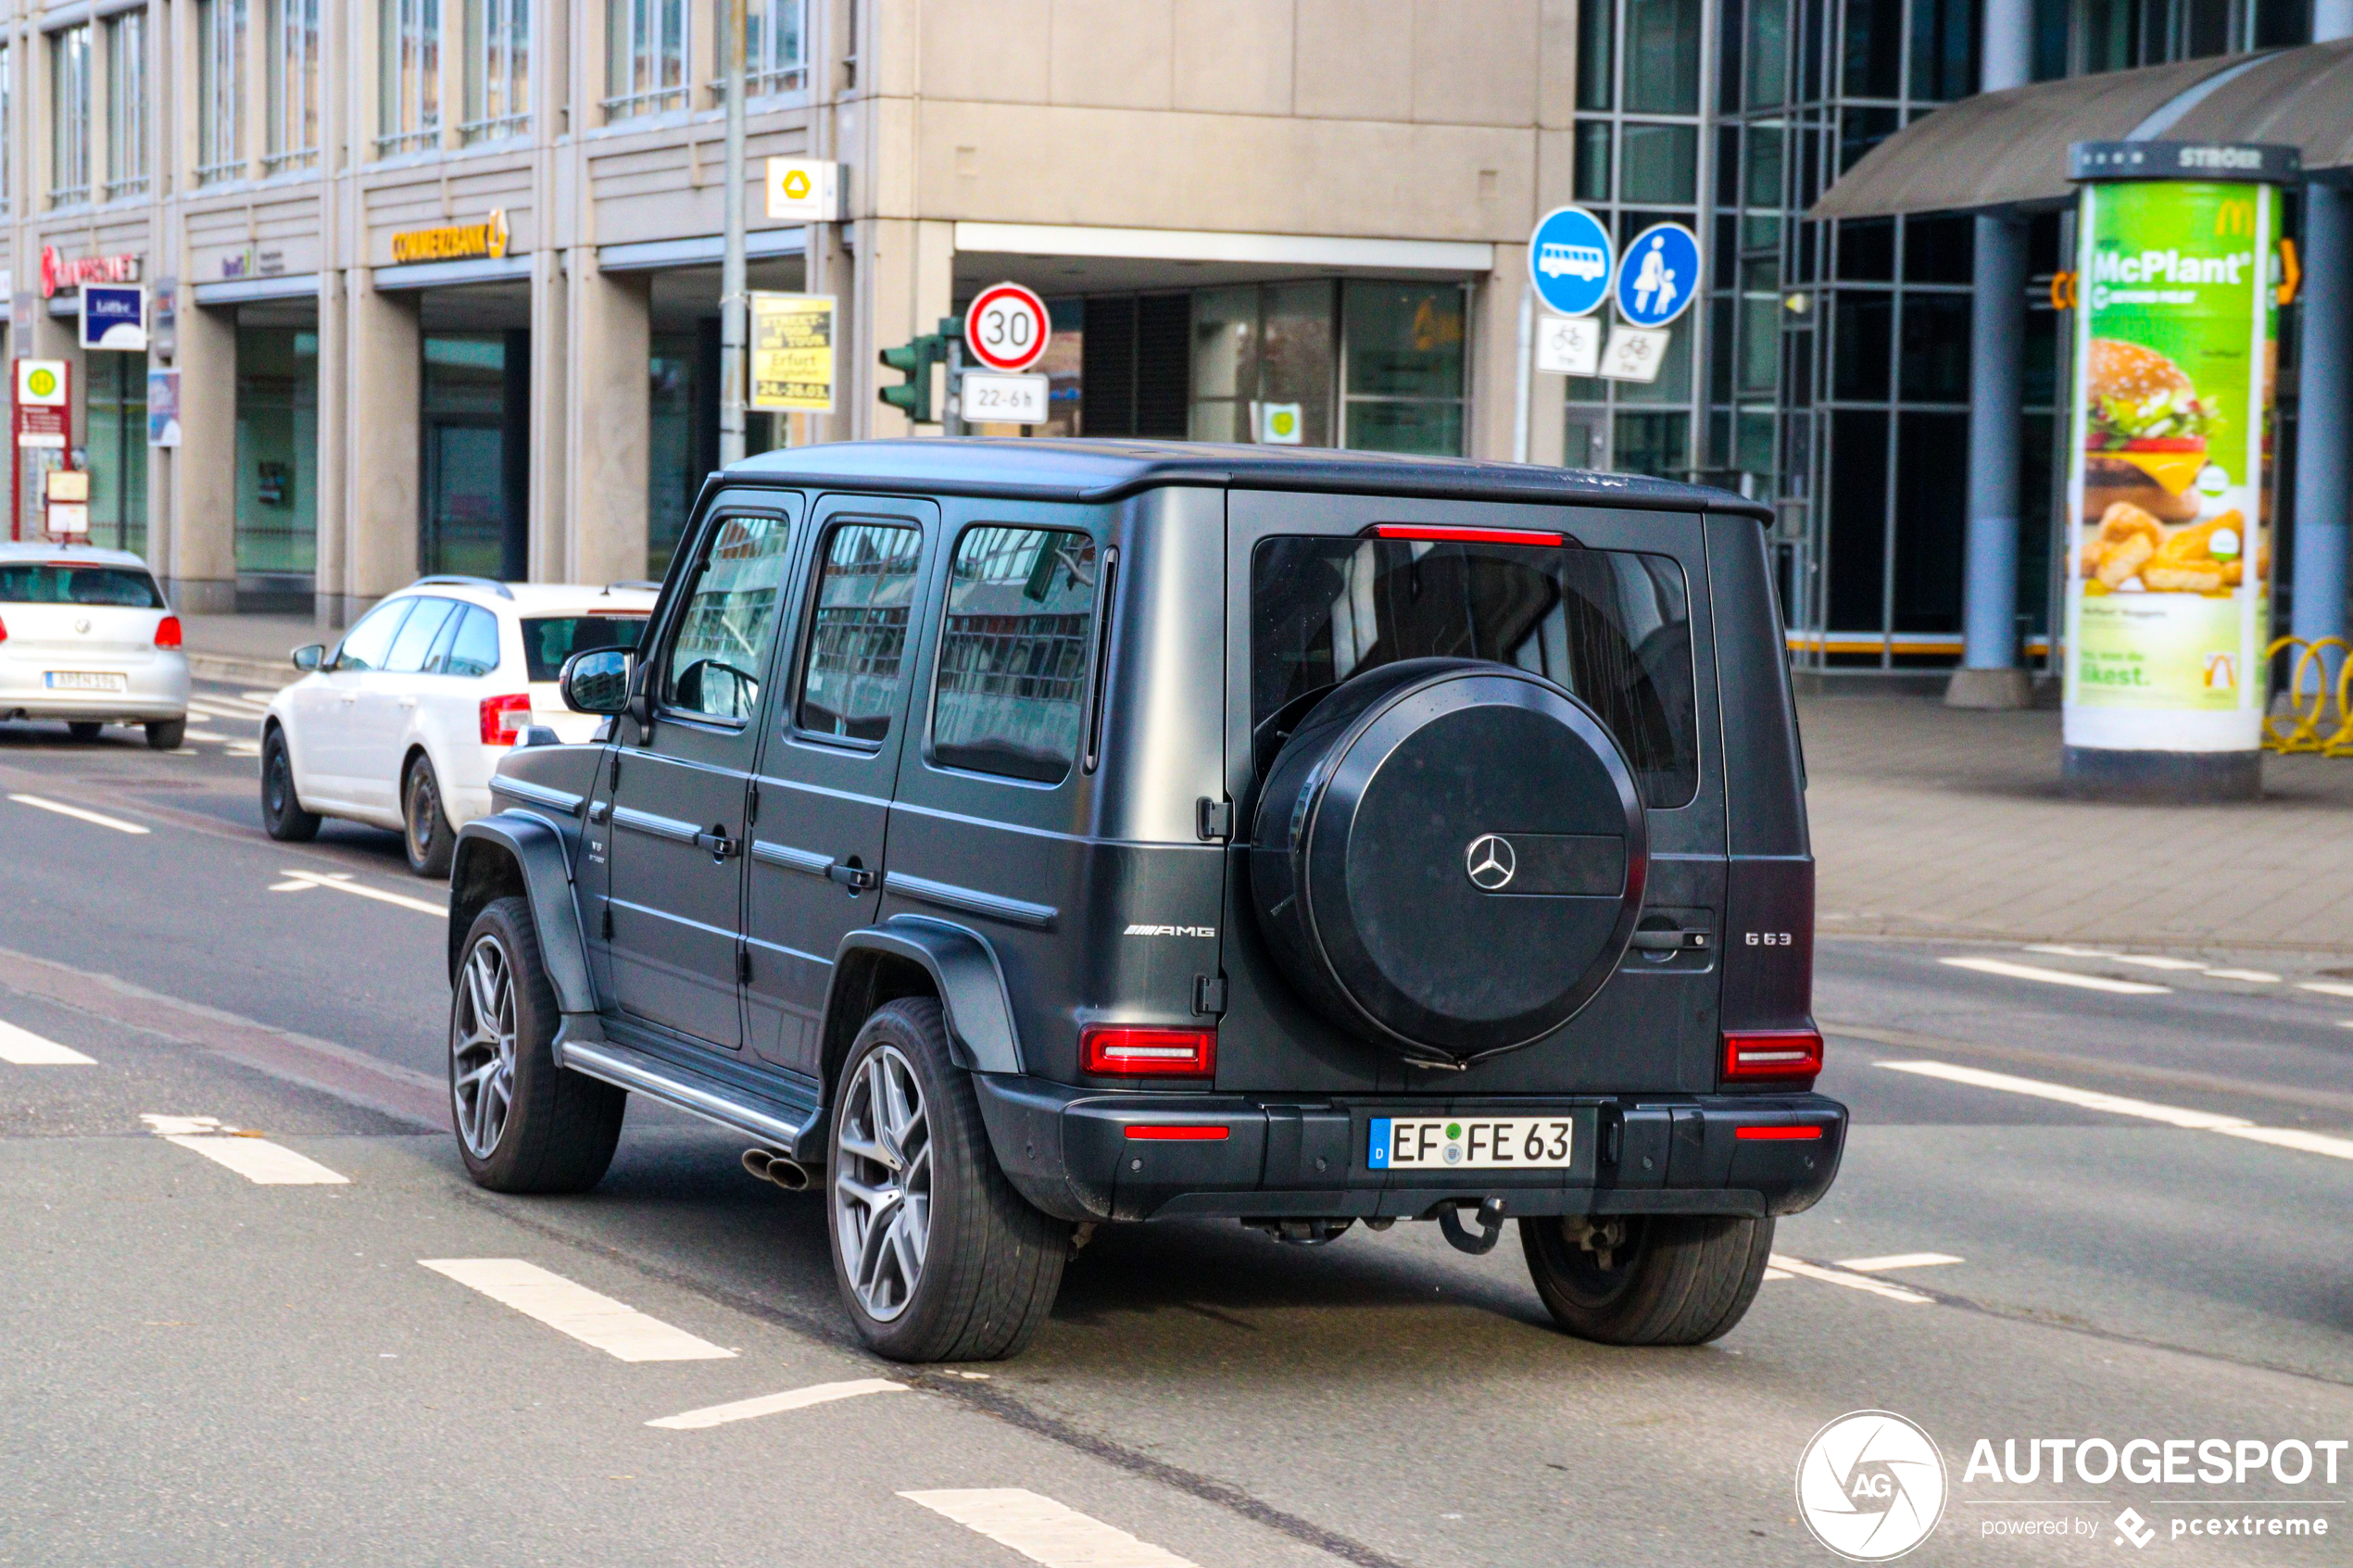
882 1184
482 1047
281 780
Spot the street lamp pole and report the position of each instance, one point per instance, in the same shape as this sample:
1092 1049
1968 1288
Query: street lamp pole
731 270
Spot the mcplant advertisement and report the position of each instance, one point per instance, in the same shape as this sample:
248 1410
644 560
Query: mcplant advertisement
2168 586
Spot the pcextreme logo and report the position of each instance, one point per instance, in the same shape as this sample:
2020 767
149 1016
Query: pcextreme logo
1870 1485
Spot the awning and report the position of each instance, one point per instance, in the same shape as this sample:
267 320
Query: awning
2010 148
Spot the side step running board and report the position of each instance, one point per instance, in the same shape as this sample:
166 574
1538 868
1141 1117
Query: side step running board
772 1122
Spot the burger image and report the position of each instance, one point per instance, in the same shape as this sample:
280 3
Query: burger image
2144 439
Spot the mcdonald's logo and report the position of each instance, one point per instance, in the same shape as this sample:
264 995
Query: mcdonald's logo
2234 218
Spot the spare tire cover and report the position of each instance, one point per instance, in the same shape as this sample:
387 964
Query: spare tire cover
1449 855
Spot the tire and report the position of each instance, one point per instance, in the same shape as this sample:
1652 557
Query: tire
524 1124
425 834
986 1265
1674 1279
84 729
281 814
164 735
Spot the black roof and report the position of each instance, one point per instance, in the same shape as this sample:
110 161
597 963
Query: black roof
1107 470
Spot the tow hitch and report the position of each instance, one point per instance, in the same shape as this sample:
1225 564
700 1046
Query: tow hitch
1491 1226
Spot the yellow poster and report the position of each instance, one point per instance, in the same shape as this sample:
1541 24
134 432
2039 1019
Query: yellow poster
792 352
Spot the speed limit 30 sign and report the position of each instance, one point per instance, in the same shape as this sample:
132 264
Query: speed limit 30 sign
1005 327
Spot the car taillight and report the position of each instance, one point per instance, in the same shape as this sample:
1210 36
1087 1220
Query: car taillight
1125 1050
1777 1133
503 719
4 630
1754 1055
1163 1131
168 632
1435 534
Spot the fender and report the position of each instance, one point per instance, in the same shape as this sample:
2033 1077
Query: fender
963 969
541 871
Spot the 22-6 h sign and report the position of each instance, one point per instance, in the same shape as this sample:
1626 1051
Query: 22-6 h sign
1005 328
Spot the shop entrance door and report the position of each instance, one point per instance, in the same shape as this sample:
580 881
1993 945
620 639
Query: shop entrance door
477 436
465 498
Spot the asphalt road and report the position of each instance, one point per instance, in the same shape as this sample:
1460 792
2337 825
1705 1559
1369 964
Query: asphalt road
2066 1211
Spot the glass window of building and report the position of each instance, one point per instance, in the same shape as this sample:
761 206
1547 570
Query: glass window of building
498 69
409 79
127 104
8 125
470 507
1264 363
295 44
114 416
69 116
646 57
277 491
672 476
1402 352
220 47
774 57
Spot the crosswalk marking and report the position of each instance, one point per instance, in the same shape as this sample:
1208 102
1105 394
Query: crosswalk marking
341 882
771 1404
20 1047
2146 960
2325 987
257 1160
620 1331
62 810
1898 1260
1044 1531
2253 976
2059 976
2121 1105
1864 1282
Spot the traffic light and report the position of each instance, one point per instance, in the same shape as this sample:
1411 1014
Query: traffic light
915 361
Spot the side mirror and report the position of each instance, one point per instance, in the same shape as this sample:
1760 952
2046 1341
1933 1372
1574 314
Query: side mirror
596 681
309 657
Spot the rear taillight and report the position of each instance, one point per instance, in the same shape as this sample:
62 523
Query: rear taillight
1777 1132
4 630
503 719
168 632
1758 1055
1125 1050
1167 1132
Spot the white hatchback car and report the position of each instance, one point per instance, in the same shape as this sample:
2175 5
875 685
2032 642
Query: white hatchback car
401 724
86 639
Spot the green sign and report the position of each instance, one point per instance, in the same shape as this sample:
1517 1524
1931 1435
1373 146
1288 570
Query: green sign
2168 603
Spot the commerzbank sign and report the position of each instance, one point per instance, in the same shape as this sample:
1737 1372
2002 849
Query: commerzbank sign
452 242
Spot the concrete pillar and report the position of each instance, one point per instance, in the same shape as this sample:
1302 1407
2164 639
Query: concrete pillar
2324 395
611 415
385 377
904 283
202 568
550 465
1989 675
334 508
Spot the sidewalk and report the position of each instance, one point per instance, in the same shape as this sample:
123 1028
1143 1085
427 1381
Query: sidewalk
1932 823
251 648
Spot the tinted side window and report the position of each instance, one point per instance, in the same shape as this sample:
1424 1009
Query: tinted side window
417 634
474 650
1612 626
365 644
720 650
1013 653
858 635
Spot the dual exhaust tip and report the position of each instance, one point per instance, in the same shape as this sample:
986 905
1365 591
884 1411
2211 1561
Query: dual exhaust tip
769 1166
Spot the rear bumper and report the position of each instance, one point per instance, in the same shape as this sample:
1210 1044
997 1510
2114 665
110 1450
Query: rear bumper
155 688
1069 1153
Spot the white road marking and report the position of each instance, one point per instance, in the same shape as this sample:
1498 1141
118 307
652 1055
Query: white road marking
771 1404
1805 1270
2253 976
2120 1105
340 882
1898 1260
245 749
216 708
1044 1531
620 1331
1772 1273
2059 976
62 810
2325 987
2147 961
20 1047
259 699
257 1160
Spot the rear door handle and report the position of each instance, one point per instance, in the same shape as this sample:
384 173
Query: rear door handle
407 702
722 848
856 878
1671 941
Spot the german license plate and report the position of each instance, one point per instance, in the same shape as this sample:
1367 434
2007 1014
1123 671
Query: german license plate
1469 1143
86 681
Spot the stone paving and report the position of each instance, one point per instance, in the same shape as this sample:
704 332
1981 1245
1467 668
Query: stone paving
1933 823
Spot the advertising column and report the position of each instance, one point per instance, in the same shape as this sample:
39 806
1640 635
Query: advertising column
2169 586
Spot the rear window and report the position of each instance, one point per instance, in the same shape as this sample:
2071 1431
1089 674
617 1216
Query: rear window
1612 626
548 640
47 583
1013 654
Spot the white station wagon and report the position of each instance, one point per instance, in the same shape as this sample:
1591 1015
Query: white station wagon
400 725
87 640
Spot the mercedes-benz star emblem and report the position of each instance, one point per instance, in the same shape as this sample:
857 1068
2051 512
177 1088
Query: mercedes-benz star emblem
83 624
1491 862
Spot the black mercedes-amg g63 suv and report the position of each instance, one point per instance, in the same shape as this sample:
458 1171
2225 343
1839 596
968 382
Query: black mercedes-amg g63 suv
1010 837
